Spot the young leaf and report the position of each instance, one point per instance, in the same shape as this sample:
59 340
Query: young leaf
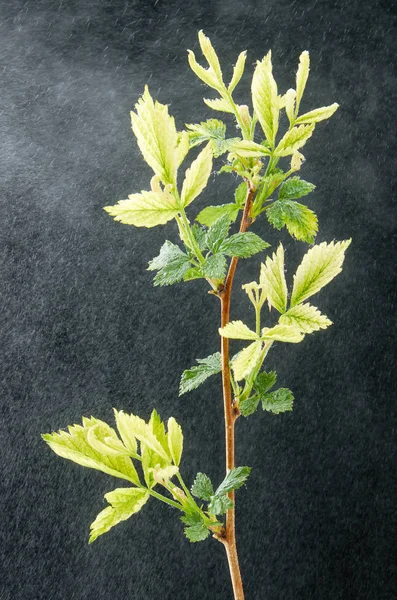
171 264
300 221
182 148
197 533
290 105
215 266
146 209
196 177
278 401
212 129
195 376
283 333
237 330
124 502
210 54
238 71
246 360
294 139
301 77
220 104
210 214
157 137
163 475
305 317
75 446
318 114
202 487
319 266
240 194
248 406
175 440
243 245
219 505
265 381
273 278
233 480
213 75
143 432
265 98
217 233
295 187
248 149
104 440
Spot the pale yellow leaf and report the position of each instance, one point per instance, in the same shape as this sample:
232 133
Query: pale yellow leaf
265 98
272 277
319 266
196 177
237 330
246 360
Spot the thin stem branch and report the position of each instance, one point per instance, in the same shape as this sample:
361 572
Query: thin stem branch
231 413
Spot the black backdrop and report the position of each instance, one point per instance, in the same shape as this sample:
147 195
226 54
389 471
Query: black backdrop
83 330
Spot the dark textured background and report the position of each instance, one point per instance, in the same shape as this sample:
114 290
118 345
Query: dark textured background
83 330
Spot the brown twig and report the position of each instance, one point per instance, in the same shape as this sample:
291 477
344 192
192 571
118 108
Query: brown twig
229 540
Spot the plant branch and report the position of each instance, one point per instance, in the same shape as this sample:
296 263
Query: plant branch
231 412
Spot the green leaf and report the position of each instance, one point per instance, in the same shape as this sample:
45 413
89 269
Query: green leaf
273 278
219 505
319 266
248 149
168 252
246 360
146 209
217 233
157 137
196 177
197 533
305 317
171 263
243 245
265 381
124 502
318 114
75 446
200 234
301 77
233 480
212 129
300 221
265 98
283 333
220 104
294 139
195 376
175 440
215 266
240 194
295 187
237 330
238 71
202 487
278 401
210 214
249 405
269 184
